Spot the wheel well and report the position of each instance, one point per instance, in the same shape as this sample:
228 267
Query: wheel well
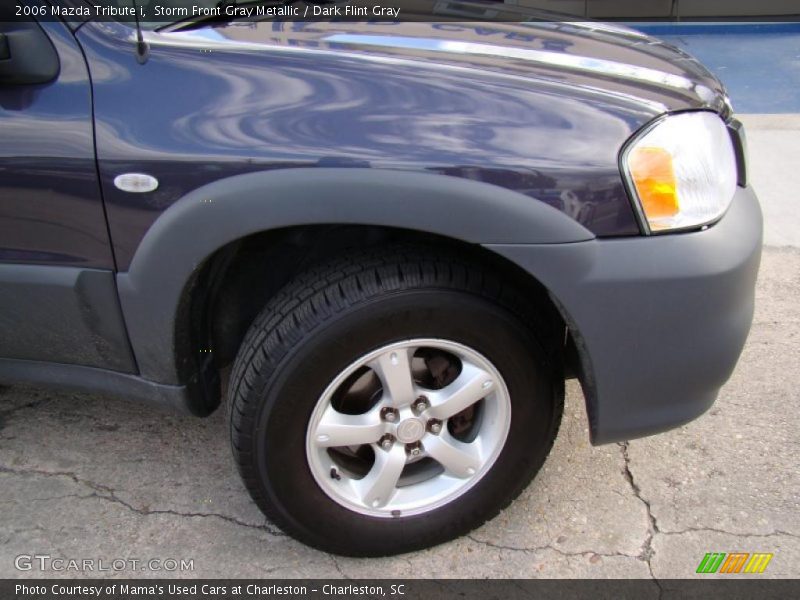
229 290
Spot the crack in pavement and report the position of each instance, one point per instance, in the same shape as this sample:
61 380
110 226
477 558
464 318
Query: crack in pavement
163 511
338 567
654 529
647 552
777 533
548 547
108 494
4 414
68 474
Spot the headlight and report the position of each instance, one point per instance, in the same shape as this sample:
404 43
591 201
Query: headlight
682 171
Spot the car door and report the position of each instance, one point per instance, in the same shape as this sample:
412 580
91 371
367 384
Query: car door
58 300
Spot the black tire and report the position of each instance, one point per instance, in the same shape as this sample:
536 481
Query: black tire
342 310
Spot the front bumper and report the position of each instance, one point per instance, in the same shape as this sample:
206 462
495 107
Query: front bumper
659 321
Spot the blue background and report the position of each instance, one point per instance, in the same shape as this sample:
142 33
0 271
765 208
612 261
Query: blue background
759 63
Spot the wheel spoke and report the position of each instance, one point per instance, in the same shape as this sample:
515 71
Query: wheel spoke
378 487
394 370
459 459
471 385
338 429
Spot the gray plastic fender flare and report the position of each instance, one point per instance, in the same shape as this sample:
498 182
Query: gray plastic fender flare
219 213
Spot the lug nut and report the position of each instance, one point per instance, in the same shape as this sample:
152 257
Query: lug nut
389 415
413 450
435 426
421 404
386 442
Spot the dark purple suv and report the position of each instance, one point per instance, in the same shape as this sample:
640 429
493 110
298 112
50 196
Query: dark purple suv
390 243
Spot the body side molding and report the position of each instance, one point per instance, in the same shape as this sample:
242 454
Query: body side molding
90 380
62 315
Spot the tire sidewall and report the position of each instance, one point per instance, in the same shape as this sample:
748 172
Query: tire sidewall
288 395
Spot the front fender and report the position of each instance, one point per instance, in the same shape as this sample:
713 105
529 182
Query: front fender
659 321
214 215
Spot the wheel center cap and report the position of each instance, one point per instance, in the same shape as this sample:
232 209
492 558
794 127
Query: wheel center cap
410 431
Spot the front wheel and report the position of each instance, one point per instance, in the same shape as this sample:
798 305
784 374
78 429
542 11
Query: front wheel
386 403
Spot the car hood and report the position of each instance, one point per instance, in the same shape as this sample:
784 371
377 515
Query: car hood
617 61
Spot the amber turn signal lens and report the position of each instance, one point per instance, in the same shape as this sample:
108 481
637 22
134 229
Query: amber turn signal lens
682 171
654 176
